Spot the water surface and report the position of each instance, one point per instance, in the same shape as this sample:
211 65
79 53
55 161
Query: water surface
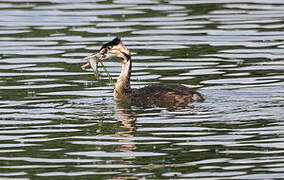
58 121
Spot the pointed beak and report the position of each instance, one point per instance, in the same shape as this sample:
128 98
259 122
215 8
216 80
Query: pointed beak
92 56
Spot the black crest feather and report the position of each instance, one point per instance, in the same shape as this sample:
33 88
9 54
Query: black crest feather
113 42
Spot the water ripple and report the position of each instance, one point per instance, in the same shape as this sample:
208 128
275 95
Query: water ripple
59 121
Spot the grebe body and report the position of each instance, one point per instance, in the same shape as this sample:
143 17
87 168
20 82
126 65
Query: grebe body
163 95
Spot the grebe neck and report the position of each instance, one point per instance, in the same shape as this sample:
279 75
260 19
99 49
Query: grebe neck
122 87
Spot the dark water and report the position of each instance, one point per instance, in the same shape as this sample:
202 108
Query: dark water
57 121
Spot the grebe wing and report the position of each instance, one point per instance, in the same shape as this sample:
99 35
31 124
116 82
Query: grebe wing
164 88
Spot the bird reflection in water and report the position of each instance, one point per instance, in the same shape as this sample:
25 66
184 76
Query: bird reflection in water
127 118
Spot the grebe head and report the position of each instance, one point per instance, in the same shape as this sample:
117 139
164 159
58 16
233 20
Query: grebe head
113 49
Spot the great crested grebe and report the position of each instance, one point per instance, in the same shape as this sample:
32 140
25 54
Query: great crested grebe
163 95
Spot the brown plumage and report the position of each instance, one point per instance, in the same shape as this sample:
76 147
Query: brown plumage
163 95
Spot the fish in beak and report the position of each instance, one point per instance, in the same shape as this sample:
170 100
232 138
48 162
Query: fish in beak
92 59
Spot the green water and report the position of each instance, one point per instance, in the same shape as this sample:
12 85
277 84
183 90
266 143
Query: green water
57 121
